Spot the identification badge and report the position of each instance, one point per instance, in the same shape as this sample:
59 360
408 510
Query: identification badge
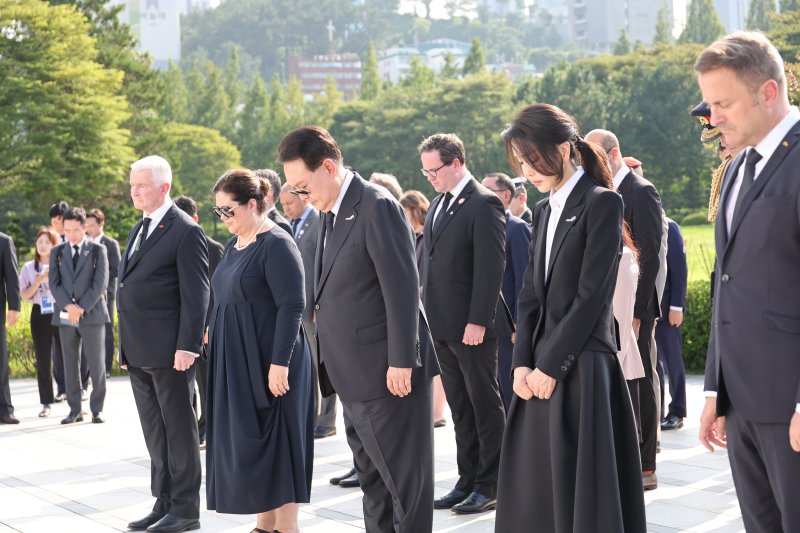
47 305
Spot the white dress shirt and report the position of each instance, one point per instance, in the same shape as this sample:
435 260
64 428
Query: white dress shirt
620 175
79 245
345 185
155 217
557 201
455 192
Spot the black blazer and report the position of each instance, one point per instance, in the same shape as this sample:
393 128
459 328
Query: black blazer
307 236
278 219
677 271
518 242
572 312
163 293
9 278
367 298
643 215
753 358
466 261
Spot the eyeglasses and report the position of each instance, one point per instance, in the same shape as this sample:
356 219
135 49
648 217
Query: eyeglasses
302 191
432 173
225 211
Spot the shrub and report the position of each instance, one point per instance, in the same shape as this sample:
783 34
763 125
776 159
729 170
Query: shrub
697 218
696 326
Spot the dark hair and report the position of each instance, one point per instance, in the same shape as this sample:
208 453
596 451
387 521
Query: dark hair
75 213
450 147
749 54
243 185
274 181
537 131
186 204
416 204
503 181
627 239
58 209
54 239
97 215
312 144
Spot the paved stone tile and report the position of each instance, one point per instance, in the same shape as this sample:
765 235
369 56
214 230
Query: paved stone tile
96 477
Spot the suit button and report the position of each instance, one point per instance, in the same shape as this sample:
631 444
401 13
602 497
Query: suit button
725 278
567 363
564 369
316 307
121 284
571 357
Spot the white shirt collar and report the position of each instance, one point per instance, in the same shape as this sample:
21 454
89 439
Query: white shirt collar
770 143
559 197
156 216
79 245
620 175
460 185
347 180
97 239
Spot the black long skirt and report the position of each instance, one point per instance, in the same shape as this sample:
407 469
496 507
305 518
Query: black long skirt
571 464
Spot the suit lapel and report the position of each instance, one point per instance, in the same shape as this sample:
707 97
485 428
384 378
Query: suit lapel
572 210
83 257
541 247
161 228
455 205
427 234
66 259
343 224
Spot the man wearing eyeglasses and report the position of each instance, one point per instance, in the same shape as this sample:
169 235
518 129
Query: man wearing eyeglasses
464 236
374 347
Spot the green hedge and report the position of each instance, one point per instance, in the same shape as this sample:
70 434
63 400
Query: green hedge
696 326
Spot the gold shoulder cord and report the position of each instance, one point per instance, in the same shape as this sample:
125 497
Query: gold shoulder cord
716 186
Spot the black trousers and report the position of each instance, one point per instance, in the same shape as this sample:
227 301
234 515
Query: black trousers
766 474
648 403
392 443
164 401
505 353
469 376
669 340
42 332
6 408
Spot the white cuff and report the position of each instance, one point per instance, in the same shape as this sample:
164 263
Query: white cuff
672 308
710 393
797 408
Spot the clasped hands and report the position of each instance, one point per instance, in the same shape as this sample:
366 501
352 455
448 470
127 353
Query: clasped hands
530 382
74 313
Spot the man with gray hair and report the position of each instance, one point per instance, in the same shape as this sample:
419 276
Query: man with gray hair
162 301
388 182
752 381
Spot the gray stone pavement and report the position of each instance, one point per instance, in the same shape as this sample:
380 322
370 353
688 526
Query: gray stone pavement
95 477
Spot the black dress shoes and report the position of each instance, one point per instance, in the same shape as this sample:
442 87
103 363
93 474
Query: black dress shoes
71 418
350 481
672 422
9 419
174 524
450 499
97 418
321 433
338 479
475 503
147 521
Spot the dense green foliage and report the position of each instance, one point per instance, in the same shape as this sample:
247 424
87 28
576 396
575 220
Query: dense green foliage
696 326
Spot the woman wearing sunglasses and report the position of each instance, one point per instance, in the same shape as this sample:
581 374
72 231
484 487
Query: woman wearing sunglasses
260 406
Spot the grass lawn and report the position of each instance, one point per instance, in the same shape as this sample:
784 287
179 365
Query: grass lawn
699 241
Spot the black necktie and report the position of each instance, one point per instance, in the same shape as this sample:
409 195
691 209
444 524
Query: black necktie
330 217
444 206
75 256
295 223
753 157
142 234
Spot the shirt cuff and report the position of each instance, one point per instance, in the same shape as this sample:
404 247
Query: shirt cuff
673 308
710 393
797 408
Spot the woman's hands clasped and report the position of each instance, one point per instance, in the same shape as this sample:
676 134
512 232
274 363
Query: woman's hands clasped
529 383
278 379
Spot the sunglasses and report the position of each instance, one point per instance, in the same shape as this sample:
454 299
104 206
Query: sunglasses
224 211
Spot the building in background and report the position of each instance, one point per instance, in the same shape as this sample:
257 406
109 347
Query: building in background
313 72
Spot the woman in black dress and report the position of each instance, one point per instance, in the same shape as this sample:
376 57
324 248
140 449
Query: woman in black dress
570 456
260 410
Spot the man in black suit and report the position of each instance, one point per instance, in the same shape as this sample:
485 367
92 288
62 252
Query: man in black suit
9 294
79 280
518 243
752 380
374 346
274 186
215 251
643 215
464 236
95 222
162 302
305 223
519 203
669 336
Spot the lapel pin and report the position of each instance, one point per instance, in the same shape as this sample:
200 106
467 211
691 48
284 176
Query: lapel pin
571 219
786 144
461 201
160 226
351 217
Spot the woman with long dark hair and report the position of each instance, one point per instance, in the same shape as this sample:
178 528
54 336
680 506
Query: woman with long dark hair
570 456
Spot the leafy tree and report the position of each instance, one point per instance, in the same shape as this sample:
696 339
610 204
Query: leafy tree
419 78
663 33
475 62
623 44
175 105
370 77
233 85
758 14
703 25
213 108
450 68
62 112
253 123
785 34
326 104
790 5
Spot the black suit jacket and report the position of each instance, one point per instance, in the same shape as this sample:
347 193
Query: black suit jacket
307 236
9 278
278 219
367 298
643 215
518 241
163 293
527 216
677 271
466 261
571 312
753 358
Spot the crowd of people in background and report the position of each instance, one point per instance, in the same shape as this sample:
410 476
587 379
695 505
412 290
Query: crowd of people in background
550 332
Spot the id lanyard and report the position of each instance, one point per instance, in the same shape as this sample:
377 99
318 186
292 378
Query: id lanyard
47 302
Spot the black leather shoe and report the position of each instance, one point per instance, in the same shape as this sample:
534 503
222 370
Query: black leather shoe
336 480
450 499
672 422
97 418
9 419
174 524
147 521
475 503
350 482
78 417
321 433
